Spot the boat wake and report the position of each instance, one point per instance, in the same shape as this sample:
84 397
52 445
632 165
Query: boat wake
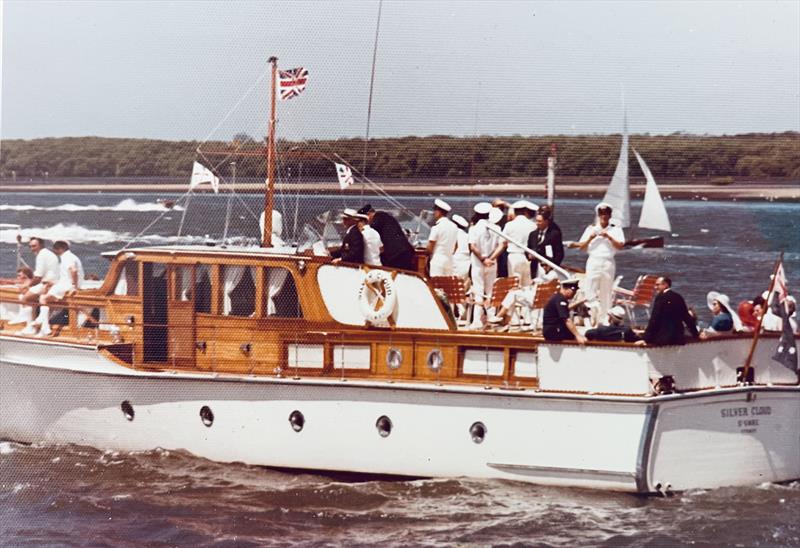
127 204
74 233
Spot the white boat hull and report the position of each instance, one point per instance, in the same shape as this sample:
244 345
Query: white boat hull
60 394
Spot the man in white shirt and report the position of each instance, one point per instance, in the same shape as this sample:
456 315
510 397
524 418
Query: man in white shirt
461 262
70 279
485 247
442 241
373 246
601 240
518 229
45 271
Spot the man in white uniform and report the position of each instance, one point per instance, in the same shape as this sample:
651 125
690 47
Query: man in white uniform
461 260
518 229
70 279
45 271
601 240
442 241
373 246
485 247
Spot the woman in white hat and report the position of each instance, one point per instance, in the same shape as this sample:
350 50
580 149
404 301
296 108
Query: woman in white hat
601 241
442 241
725 319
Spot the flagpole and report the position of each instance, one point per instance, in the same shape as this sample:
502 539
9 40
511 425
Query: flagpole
753 344
371 83
266 237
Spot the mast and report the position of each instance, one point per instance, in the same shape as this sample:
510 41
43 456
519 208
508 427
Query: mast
266 238
550 186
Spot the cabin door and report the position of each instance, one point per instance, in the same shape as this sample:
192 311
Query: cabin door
154 313
182 317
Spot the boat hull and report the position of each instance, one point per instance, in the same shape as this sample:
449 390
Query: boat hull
647 243
617 443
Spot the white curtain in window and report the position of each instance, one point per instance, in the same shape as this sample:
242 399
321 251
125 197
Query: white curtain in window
185 283
276 277
233 275
122 285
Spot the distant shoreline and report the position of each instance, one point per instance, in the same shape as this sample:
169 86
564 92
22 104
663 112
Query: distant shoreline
738 191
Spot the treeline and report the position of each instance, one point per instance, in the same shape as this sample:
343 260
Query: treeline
775 155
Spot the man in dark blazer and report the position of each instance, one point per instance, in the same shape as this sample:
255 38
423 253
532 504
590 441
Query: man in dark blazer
545 240
352 250
668 317
397 251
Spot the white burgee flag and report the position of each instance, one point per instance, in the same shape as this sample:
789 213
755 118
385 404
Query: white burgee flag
345 176
202 175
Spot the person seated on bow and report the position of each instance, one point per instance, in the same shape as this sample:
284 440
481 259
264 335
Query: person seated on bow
22 282
615 330
725 320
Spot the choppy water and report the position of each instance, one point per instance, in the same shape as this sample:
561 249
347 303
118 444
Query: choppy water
67 495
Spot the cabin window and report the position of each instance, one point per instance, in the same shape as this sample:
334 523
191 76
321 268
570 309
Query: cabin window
280 294
239 291
202 289
128 282
183 283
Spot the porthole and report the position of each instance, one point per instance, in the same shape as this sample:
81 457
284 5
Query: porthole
127 410
435 360
477 431
206 415
394 358
297 420
384 426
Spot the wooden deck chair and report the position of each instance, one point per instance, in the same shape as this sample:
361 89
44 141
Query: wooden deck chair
543 293
501 288
453 287
641 296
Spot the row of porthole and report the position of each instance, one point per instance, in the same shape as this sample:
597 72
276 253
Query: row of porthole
297 421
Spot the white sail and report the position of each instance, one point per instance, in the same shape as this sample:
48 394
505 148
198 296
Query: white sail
654 214
618 193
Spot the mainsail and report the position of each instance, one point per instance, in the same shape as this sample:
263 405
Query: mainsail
618 193
654 214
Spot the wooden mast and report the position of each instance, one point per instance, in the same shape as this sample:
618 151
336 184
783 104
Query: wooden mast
754 342
266 237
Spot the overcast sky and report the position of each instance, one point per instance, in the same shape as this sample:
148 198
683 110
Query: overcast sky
177 70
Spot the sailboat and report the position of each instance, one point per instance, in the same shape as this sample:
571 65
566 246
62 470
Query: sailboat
654 214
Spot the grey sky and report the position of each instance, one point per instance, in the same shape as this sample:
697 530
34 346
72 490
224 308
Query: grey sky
174 70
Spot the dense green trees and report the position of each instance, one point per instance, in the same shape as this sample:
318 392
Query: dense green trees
673 156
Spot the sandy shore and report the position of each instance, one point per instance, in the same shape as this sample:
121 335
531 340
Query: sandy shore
784 192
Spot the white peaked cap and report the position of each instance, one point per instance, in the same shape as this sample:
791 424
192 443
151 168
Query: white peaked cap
441 204
495 214
603 205
519 204
617 312
459 220
349 212
531 205
482 208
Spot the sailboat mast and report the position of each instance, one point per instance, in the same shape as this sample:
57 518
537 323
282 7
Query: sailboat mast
266 238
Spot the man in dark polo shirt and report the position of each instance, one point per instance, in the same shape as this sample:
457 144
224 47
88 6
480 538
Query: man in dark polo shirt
556 325
397 251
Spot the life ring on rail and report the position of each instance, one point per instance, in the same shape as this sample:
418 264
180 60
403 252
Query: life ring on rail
377 297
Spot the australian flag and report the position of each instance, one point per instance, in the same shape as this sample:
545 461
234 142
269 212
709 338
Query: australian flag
786 353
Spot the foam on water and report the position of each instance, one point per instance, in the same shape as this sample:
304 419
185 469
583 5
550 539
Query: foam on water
6 448
75 233
127 204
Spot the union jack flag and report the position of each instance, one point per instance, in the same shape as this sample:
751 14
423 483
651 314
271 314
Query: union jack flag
293 82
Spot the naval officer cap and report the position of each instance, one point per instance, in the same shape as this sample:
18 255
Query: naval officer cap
441 204
482 208
495 214
603 206
570 284
352 213
460 221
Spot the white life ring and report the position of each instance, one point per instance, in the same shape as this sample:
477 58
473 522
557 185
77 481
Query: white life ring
377 297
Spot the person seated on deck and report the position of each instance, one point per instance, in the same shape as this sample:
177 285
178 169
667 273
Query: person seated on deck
70 279
668 316
725 320
21 283
352 250
556 324
523 296
615 330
